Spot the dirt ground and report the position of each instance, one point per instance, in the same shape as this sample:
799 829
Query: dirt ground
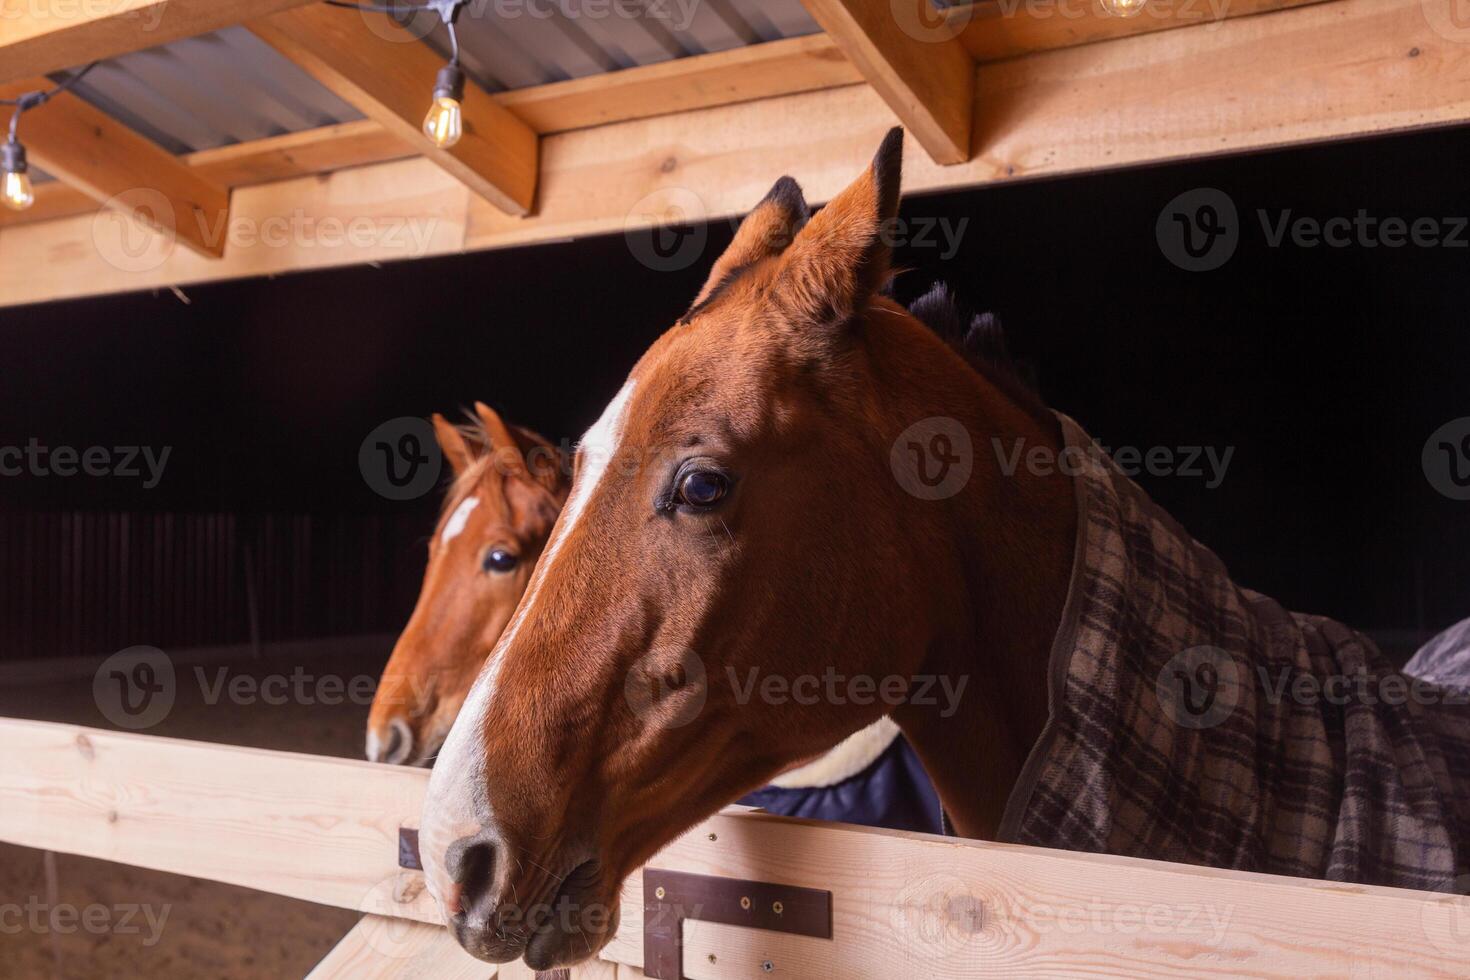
95 919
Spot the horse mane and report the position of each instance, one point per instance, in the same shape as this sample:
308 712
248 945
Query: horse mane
980 339
477 437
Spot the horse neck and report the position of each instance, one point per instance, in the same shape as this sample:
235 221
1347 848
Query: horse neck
997 605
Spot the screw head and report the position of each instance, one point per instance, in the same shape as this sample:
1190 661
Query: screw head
712 957
713 837
768 966
778 907
659 892
745 902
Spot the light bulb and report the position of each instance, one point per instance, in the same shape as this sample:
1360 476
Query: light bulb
15 185
445 122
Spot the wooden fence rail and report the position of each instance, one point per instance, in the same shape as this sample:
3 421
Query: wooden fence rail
903 905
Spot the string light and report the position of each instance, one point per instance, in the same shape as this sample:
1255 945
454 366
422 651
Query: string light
444 123
16 191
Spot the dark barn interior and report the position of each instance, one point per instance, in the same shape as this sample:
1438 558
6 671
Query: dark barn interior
1321 370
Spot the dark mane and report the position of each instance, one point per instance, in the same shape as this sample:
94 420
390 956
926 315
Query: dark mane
980 339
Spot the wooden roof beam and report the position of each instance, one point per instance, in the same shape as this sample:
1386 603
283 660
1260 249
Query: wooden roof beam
915 60
388 75
40 36
96 156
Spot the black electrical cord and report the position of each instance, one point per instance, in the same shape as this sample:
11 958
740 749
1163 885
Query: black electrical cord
29 100
446 9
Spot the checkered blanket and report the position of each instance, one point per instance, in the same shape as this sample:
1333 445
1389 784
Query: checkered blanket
1193 720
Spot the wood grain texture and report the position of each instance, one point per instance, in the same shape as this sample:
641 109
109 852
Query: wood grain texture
1011 28
90 152
798 64
390 82
323 830
904 905
40 36
927 78
1327 71
383 948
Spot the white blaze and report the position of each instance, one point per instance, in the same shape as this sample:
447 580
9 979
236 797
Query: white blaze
457 521
454 806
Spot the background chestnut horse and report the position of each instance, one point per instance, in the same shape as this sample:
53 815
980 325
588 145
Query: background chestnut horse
509 486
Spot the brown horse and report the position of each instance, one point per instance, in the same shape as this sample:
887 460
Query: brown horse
788 495
508 489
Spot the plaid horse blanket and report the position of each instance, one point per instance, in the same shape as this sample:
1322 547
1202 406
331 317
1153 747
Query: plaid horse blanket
1193 720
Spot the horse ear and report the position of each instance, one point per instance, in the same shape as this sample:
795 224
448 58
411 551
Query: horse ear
503 447
452 444
543 460
842 255
766 231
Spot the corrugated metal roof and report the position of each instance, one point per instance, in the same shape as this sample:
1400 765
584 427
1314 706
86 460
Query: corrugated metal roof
229 86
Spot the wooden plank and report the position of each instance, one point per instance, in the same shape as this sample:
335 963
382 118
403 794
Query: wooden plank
798 64
922 70
384 948
1327 71
312 151
389 77
904 905
323 830
1012 28
90 152
40 36
53 200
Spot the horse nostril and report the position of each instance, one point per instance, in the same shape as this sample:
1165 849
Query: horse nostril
470 864
399 747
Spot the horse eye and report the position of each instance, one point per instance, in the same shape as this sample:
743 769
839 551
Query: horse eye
500 560
703 488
